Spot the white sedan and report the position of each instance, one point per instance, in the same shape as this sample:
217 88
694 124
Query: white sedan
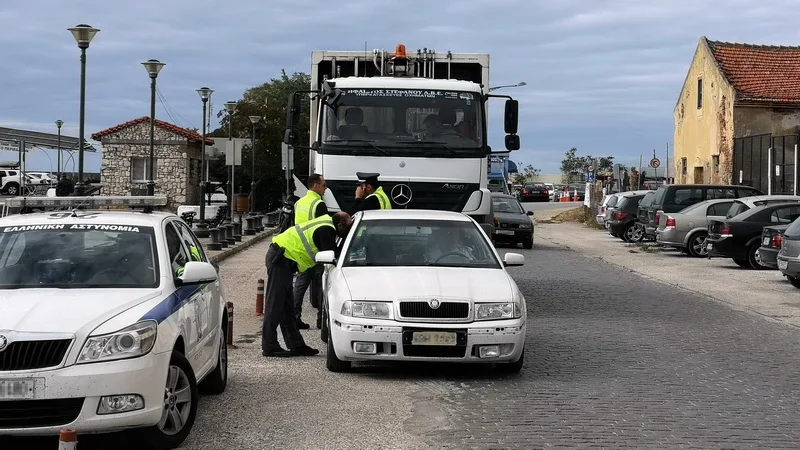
107 322
421 285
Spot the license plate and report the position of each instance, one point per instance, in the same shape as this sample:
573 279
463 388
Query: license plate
16 389
766 241
433 338
506 232
782 264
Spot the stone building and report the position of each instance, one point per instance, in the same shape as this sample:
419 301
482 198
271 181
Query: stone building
732 94
126 159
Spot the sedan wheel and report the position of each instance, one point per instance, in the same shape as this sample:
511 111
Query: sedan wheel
179 407
697 245
629 233
754 258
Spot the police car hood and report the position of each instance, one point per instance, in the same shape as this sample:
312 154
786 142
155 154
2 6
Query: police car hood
395 283
65 310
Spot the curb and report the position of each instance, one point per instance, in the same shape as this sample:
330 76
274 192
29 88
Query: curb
225 254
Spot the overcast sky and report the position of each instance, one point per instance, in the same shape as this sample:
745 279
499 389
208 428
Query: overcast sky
602 76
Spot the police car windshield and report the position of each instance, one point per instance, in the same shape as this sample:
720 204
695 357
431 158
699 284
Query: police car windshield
395 242
77 256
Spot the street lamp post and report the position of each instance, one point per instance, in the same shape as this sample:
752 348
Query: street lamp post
230 107
83 35
202 225
520 84
59 123
153 66
254 120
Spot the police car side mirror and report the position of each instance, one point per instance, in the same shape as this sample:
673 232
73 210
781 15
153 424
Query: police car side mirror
513 259
197 272
325 257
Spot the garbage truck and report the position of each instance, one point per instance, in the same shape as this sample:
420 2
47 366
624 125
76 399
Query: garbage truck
419 119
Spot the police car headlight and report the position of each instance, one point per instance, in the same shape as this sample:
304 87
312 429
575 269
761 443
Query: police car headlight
370 310
497 311
136 340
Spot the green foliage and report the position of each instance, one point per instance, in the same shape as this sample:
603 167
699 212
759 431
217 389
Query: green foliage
269 102
573 166
531 172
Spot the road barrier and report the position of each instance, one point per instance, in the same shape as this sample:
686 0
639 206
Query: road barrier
229 306
260 297
67 440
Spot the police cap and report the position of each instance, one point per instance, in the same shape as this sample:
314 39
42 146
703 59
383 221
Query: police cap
369 178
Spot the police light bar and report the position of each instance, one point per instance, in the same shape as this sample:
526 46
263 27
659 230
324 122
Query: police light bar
92 201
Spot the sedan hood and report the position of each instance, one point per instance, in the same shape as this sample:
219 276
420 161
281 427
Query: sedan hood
64 310
395 283
513 218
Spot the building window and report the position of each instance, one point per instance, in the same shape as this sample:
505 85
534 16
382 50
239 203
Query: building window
140 170
715 163
699 93
683 166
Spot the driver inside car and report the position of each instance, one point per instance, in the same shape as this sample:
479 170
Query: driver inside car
444 243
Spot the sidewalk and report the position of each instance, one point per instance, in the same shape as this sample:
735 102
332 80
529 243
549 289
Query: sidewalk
766 292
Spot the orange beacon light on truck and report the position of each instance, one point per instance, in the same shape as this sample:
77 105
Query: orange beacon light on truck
400 52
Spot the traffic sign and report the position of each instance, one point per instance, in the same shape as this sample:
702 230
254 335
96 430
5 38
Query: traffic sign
654 163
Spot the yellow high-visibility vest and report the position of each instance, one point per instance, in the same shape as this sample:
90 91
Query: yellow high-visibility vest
298 241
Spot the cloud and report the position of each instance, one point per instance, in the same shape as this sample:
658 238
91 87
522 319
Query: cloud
601 76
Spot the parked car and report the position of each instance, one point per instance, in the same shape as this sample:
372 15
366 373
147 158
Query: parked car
641 215
623 219
743 204
687 230
739 237
771 243
609 203
577 188
675 197
534 192
788 258
550 189
414 285
556 193
512 224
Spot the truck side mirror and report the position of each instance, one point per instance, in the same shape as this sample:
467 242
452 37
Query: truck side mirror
512 142
512 116
292 119
330 94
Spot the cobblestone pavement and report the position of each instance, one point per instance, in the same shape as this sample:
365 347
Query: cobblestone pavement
613 360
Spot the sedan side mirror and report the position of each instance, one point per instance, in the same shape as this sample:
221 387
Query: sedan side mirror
530 213
325 257
513 259
197 272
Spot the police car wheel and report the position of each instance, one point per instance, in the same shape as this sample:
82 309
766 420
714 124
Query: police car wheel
179 408
333 363
216 381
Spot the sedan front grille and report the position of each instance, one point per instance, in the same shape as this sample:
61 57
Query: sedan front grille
30 355
39 413
423 310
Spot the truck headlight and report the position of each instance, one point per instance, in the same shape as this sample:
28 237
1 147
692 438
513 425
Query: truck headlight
372 310
496 311
136 340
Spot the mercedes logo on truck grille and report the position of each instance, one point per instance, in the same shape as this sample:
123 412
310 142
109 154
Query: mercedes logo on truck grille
3 342
434 303
401 194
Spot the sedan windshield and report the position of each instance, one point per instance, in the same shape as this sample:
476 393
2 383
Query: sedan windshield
507 205
77 256
394 242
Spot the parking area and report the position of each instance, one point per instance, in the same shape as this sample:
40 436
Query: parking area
763 292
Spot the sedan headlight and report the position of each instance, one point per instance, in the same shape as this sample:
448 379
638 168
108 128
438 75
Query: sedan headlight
136 340
373 310
497 311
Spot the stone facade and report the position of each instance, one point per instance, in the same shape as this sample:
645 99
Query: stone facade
126 151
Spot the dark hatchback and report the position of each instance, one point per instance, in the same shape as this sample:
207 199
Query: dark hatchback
536 192
739 237
789 256
512 224
771 242
623 218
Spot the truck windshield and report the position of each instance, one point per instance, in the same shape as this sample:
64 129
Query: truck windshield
404 122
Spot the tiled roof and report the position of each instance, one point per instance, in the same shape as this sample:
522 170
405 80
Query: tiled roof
761 73
188 134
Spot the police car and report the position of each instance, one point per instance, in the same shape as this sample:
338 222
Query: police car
109 320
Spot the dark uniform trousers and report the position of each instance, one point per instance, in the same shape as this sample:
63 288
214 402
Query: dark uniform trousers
313 278
279 308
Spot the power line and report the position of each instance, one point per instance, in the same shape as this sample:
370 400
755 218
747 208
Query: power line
175 112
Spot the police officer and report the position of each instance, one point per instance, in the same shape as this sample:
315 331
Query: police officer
291 251
307 208
369 194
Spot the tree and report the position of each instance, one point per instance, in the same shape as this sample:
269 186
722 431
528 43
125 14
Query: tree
531 172
268 101
518 178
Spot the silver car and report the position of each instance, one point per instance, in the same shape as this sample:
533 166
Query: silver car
789 256
688 229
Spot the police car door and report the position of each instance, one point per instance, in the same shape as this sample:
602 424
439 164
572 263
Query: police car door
186 298
209 304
